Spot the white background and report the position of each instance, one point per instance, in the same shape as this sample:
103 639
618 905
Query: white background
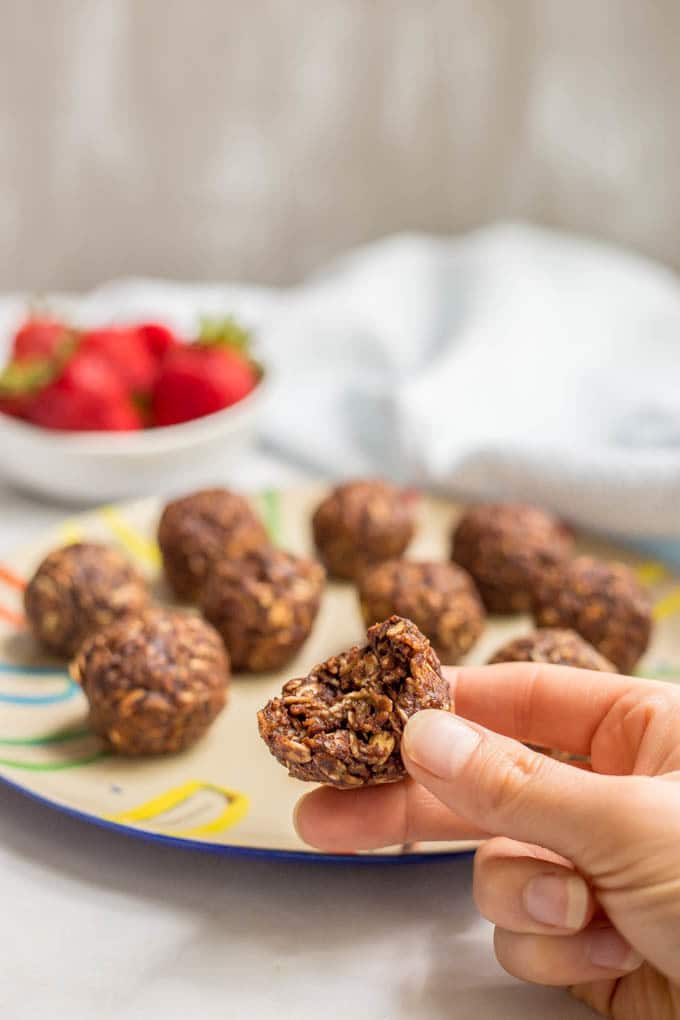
258 138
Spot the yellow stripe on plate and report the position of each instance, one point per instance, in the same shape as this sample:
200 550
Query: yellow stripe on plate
71 532
651 573
137 544
235 808
669 605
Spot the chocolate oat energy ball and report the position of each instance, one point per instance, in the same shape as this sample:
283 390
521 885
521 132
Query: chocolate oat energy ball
263 606
506 547
201 529
342 724
603 602
440 598
360 523
558 647
154 682
78 589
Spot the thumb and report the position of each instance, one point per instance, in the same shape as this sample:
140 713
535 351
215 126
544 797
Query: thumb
504 788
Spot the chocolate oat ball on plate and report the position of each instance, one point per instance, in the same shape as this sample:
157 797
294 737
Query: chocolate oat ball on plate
154 682
440 598
552 645
360 523
78 589
342 724
603 602
201 529
506 547
556 647
264 606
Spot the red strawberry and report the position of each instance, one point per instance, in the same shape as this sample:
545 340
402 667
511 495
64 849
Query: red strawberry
157 338
39 338
88 395
196 380
15 407
128 354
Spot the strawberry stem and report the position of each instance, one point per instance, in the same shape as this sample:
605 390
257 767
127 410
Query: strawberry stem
31 374
20 377
224 332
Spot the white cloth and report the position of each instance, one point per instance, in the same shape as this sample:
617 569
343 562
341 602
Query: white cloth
512 362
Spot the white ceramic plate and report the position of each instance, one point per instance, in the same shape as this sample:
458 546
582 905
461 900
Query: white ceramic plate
227 794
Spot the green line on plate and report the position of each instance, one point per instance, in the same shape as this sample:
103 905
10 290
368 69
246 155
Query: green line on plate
50 738
271 508
53 766
661 673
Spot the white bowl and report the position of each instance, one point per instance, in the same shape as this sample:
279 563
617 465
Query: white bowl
91 467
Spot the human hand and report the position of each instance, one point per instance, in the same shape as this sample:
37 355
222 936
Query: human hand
580 872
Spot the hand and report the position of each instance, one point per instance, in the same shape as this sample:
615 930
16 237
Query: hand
580 872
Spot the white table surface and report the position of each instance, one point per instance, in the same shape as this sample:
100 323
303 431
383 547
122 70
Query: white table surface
104 926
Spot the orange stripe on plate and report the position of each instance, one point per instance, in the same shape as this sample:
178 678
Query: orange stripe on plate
9 616
10 578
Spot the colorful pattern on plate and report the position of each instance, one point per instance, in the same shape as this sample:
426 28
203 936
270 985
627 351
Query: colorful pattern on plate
52 752
26 685
191 810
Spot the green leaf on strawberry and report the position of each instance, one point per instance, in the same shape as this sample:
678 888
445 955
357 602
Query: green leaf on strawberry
21 377
225 332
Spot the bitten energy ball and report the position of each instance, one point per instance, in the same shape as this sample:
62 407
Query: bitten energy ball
154 682
603 602
199 530
440 598
263 606
551 645
506 547
360 523
342 724
78 589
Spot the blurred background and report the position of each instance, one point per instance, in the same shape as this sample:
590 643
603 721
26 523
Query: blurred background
407 200
254 140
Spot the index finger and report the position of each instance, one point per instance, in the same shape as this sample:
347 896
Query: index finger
551 706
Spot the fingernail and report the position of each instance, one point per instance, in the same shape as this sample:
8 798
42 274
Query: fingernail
439 742
608 949
558 900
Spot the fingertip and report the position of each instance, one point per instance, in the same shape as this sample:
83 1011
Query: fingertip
320 818
588 956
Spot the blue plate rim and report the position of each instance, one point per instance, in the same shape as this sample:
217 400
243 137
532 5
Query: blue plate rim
230 849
